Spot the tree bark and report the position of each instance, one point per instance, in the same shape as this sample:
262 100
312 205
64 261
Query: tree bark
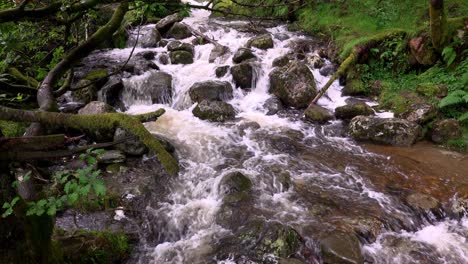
438 24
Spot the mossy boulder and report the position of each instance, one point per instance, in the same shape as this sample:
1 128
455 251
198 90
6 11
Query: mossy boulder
210 91
181 57
235 187
86 93
261 42
419 112
214 111
317 114
177 45
96 107
99 75
243 54
390 131
179 31
432 90
351 110
444 130
340 247
132 145
355 87
281 61
243 74
258 240
293 84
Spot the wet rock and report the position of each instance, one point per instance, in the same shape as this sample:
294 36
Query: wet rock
98 76
111 156
392 131
163 59
243 75
293 84
444 130
147 55
419 112
199 41
210 90
273 105
132 145
217 52
261 42
351 110
215 111
163 43
317 114
166 23
109 93
221 71
365 227
316 61
177 45
281 36
257 240
327 70
281 61
179 31
423 202
71 107
139 65
149 37
341 247
96 107
235 187
181 57
86 94
354 86
156 86
243 54
283 144
247 126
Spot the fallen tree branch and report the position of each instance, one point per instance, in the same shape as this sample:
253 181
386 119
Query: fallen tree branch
95 122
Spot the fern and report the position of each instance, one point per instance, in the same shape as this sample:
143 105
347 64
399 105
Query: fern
456 97
463 118
449 55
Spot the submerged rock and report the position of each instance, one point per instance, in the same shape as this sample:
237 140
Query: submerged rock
221 71
273 105
177 45
243 54
210 90
243 75
261 42
215 111
392 131
293 84
317 114
445 129
96 107
341 247
351 110
218 51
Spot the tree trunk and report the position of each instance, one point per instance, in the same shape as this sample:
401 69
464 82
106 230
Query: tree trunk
438 24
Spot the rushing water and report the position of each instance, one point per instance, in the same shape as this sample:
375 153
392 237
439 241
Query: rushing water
320 160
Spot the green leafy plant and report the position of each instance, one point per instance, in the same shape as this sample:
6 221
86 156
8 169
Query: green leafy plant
67 188
449 55
456 97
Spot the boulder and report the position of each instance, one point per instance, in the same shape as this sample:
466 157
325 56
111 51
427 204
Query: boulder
86 94
261 42
445 129
215 111
273 105
132 145
327 70
96 107
163 59
317 114
166 23
422 202
149 37
111 156
139 65
431 89
316 61
235 186
199 41
281 36
147 55
221 71
243 54
163 43
281 61
179 31
341 247
351 110
243 74
177 45
210 91
155 86
181 57
217 51
419 112
422 51
390 131
293 84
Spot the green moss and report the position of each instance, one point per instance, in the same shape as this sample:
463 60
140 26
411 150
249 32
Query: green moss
96 74
12 129
93 203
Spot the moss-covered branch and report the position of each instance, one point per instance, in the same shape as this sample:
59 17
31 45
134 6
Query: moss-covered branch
109 121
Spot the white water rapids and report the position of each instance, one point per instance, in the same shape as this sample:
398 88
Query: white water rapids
208 151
